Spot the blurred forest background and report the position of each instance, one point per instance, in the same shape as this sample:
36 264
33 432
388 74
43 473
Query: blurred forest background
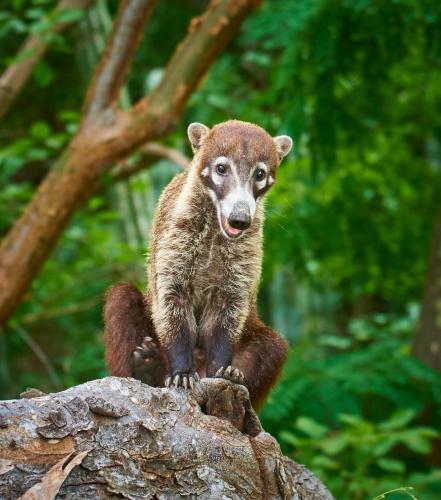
352 272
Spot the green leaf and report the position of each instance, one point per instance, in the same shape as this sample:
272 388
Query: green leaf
310 427
352 420
40 130
398 420
325 462
391 465
335 341
384 446
69 16
289 438
417 443
334 444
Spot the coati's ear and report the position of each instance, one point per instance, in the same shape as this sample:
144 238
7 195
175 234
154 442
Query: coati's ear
283 145
197 132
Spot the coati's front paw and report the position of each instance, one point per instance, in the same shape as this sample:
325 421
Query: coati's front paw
184 380
230 373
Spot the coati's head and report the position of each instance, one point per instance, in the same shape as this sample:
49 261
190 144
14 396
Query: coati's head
238 163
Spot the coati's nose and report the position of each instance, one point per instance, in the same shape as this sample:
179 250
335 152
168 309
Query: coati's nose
240 217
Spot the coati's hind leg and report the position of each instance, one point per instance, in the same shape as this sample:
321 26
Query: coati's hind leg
129 337
259 356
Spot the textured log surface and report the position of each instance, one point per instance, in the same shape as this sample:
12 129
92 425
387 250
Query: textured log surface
117 437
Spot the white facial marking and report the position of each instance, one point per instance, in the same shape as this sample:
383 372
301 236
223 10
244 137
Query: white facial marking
216 203
234 170
221 160
270 180
205 172
218 178
261 184
238 194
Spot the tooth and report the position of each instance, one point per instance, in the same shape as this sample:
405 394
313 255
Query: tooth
185 382
191 382
167 381
176 380
219 372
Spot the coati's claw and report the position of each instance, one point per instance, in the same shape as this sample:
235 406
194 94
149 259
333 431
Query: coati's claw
185 381
230 373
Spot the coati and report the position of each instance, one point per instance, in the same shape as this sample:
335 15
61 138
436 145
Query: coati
199 314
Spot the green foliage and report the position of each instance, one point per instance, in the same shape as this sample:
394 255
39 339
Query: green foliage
358 459
349 222
363 414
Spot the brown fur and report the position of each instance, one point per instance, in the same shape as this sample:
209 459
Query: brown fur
202 285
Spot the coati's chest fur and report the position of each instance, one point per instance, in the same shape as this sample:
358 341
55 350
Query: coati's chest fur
190 255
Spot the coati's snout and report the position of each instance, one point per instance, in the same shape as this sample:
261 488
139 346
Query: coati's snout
240 217
236 162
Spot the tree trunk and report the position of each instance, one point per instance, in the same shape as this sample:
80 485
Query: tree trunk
108 134
130 440
427 339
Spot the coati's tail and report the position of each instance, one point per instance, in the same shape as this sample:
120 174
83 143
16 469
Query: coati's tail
127 322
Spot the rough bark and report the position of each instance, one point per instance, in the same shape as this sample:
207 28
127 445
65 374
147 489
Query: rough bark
427 339
108 134
33 49
119 437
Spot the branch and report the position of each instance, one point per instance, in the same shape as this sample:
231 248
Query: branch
120 49
136 441
79 171
208 35
150 154
163 152
41 355
33 49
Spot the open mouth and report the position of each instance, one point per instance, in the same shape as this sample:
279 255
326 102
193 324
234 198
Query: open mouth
230 231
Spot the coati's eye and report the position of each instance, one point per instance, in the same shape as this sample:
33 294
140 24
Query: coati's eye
260 174
221 169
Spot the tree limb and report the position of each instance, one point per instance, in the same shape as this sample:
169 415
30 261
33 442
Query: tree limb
33 49
136 441
150 154
99 143
120 49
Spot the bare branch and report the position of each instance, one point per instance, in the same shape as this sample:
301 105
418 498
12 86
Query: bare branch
61 311
120 49
41 355
33 49
151 153
161 151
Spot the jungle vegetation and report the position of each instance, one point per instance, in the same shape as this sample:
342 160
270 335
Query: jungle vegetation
352 271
